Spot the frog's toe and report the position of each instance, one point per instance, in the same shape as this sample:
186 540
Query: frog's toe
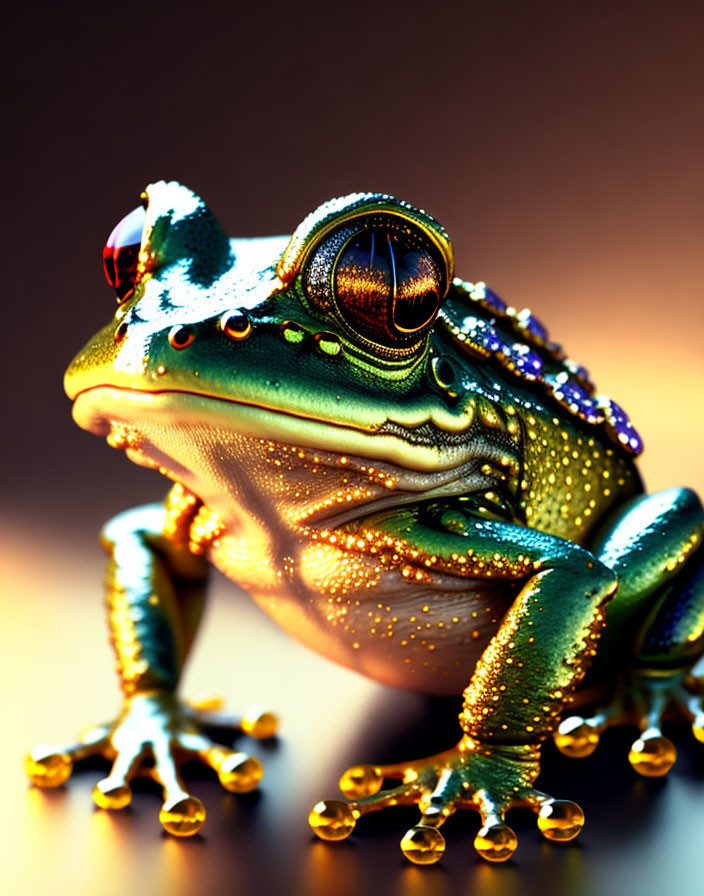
640 701
114 792
238 772
578 737
558 820
182 814
258 721
690 700
488 780
49 766
652 754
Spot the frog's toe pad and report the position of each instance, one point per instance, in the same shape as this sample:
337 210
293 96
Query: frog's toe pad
560 820
48 767
496 842
423 845
652 754
182 816
577 737
332 819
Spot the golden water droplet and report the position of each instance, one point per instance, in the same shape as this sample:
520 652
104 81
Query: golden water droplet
359 781
576 738
107 796
560 820
240 773
183 817
332 820
260 722
423 845
698 728
48 769
652 755
496 842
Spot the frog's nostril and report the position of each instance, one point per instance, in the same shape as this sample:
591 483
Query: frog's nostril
236 325
443 372
180 337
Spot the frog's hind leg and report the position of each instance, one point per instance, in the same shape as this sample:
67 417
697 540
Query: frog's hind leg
655 547
515 695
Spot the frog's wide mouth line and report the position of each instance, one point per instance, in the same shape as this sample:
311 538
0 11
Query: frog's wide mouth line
98 407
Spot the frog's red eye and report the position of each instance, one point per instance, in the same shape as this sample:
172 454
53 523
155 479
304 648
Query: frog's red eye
121 253
384 281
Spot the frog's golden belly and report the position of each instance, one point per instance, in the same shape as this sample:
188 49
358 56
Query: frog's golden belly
425 637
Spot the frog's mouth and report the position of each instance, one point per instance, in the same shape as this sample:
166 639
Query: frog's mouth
424 448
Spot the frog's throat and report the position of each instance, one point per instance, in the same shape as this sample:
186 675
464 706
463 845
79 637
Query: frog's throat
98 408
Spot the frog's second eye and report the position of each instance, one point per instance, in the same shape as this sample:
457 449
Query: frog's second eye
121 253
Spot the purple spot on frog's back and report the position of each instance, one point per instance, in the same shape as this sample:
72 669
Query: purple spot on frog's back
619 422
581 373
528 363
532 326
493 301
577 400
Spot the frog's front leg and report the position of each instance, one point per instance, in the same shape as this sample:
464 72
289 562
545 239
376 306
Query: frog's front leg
520 685
155 596
654 627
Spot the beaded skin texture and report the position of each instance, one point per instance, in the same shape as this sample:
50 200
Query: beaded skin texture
407 474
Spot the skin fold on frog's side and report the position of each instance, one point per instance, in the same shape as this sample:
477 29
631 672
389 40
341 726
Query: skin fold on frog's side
409 477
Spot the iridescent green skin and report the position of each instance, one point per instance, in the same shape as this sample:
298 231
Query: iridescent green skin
430 519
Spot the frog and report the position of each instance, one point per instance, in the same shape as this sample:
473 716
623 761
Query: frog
411 478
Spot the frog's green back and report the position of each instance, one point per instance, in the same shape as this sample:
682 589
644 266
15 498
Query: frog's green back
578 447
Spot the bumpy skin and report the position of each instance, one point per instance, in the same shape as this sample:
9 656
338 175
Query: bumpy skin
447 509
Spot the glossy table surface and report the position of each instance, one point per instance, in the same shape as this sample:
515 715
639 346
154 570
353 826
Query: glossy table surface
641 836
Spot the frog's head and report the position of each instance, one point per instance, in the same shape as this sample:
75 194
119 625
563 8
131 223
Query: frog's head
322 341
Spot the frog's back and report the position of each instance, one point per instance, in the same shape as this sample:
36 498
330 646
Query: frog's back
578 448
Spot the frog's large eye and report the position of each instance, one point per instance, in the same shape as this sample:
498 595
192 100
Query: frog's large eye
121 253
385 280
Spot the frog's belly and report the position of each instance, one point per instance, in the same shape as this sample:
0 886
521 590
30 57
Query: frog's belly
425 637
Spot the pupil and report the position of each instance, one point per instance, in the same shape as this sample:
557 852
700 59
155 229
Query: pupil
386 286
417 295
237 322
364 277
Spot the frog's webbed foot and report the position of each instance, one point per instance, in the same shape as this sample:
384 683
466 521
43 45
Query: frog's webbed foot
489 779
641 700
153 737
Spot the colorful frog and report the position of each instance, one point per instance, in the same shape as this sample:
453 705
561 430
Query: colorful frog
408 476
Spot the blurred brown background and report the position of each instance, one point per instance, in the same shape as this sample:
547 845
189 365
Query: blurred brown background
559 143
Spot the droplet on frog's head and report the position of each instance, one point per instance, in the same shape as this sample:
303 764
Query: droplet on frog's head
180 337
121 253
236 325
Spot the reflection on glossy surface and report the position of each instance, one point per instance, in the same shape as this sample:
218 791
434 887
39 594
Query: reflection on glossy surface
641 835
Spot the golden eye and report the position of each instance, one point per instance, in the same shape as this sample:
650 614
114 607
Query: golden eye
385 288
383 279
